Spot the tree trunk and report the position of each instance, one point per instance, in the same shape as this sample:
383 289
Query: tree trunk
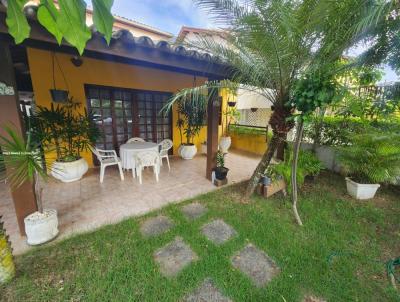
296 149
273 144
280 127
7 266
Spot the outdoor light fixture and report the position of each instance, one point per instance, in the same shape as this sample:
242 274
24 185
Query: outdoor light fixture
77 61
253 109
231 103
58 95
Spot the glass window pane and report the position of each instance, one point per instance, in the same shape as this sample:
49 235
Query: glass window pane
95 102
105 103
117 104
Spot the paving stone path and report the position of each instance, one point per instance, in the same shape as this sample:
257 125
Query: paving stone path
174 257
218 231
193 210
254 263
177 255
155 226
207 292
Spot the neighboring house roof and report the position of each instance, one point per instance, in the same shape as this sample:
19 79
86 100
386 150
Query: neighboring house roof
135 27
186 30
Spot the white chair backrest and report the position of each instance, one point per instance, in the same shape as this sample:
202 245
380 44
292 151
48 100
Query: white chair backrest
165 145
135 139
147 159
95 152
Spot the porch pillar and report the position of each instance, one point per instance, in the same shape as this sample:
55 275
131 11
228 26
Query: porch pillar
213 116
10 114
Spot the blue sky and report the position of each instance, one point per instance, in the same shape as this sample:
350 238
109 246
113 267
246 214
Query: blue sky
171 15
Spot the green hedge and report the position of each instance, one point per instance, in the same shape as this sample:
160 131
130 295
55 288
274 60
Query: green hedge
335 131
243 130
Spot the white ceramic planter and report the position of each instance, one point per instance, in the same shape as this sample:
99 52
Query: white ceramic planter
69 171
204 149
361 191
41 227
225 143
188 151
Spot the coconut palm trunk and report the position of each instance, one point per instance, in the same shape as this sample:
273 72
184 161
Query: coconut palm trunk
7 267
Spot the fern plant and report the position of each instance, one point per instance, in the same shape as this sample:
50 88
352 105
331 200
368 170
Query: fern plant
372 157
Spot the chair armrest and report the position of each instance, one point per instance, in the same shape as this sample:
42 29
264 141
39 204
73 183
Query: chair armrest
108 153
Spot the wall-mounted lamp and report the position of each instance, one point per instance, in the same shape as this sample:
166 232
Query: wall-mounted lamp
253 109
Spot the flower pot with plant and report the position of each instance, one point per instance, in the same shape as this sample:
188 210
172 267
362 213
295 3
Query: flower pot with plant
370 159
68 132
231 114
221 171
24 163
193 112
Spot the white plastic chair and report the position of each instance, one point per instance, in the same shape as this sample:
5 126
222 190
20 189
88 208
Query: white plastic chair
135 139
107 158
147 159
165 145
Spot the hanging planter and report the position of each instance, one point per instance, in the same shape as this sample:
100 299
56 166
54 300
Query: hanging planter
58 95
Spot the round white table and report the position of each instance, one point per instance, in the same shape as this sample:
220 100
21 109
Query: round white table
128 152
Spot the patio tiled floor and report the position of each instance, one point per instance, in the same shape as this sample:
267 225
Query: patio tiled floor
87 204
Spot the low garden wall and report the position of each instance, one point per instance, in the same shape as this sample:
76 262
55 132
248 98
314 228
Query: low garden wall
248 139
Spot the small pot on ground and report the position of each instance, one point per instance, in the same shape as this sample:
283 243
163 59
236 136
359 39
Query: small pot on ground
265 180
204 148
225 143
361 191
69 171
221 173
188 151
41 227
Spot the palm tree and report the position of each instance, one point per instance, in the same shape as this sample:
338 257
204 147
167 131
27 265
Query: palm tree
270 43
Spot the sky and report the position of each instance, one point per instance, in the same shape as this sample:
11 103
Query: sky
171 15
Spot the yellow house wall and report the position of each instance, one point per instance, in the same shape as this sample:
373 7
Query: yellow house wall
106 73
253 143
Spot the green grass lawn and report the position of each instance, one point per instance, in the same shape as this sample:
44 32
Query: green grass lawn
115 263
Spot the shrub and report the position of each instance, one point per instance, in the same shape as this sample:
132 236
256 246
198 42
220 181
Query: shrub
372 157
337 131
308 164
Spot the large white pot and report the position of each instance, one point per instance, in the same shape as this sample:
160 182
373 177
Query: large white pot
361 191
180 149
41 227
188 151
225 143
69 171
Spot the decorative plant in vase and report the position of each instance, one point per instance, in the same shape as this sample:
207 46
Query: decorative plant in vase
24 163
193 112
370 159
69 133
220 171
231 115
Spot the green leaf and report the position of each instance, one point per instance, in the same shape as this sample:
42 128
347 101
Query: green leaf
18 26
72 23
102 17
47 15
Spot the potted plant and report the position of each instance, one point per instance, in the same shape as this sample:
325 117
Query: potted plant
24 162
369 160
193 112
68 133
231 114
221 171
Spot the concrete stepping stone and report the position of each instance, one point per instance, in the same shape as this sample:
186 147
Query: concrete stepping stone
218 231
193 210
155 226
174 257
257 265
207 292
